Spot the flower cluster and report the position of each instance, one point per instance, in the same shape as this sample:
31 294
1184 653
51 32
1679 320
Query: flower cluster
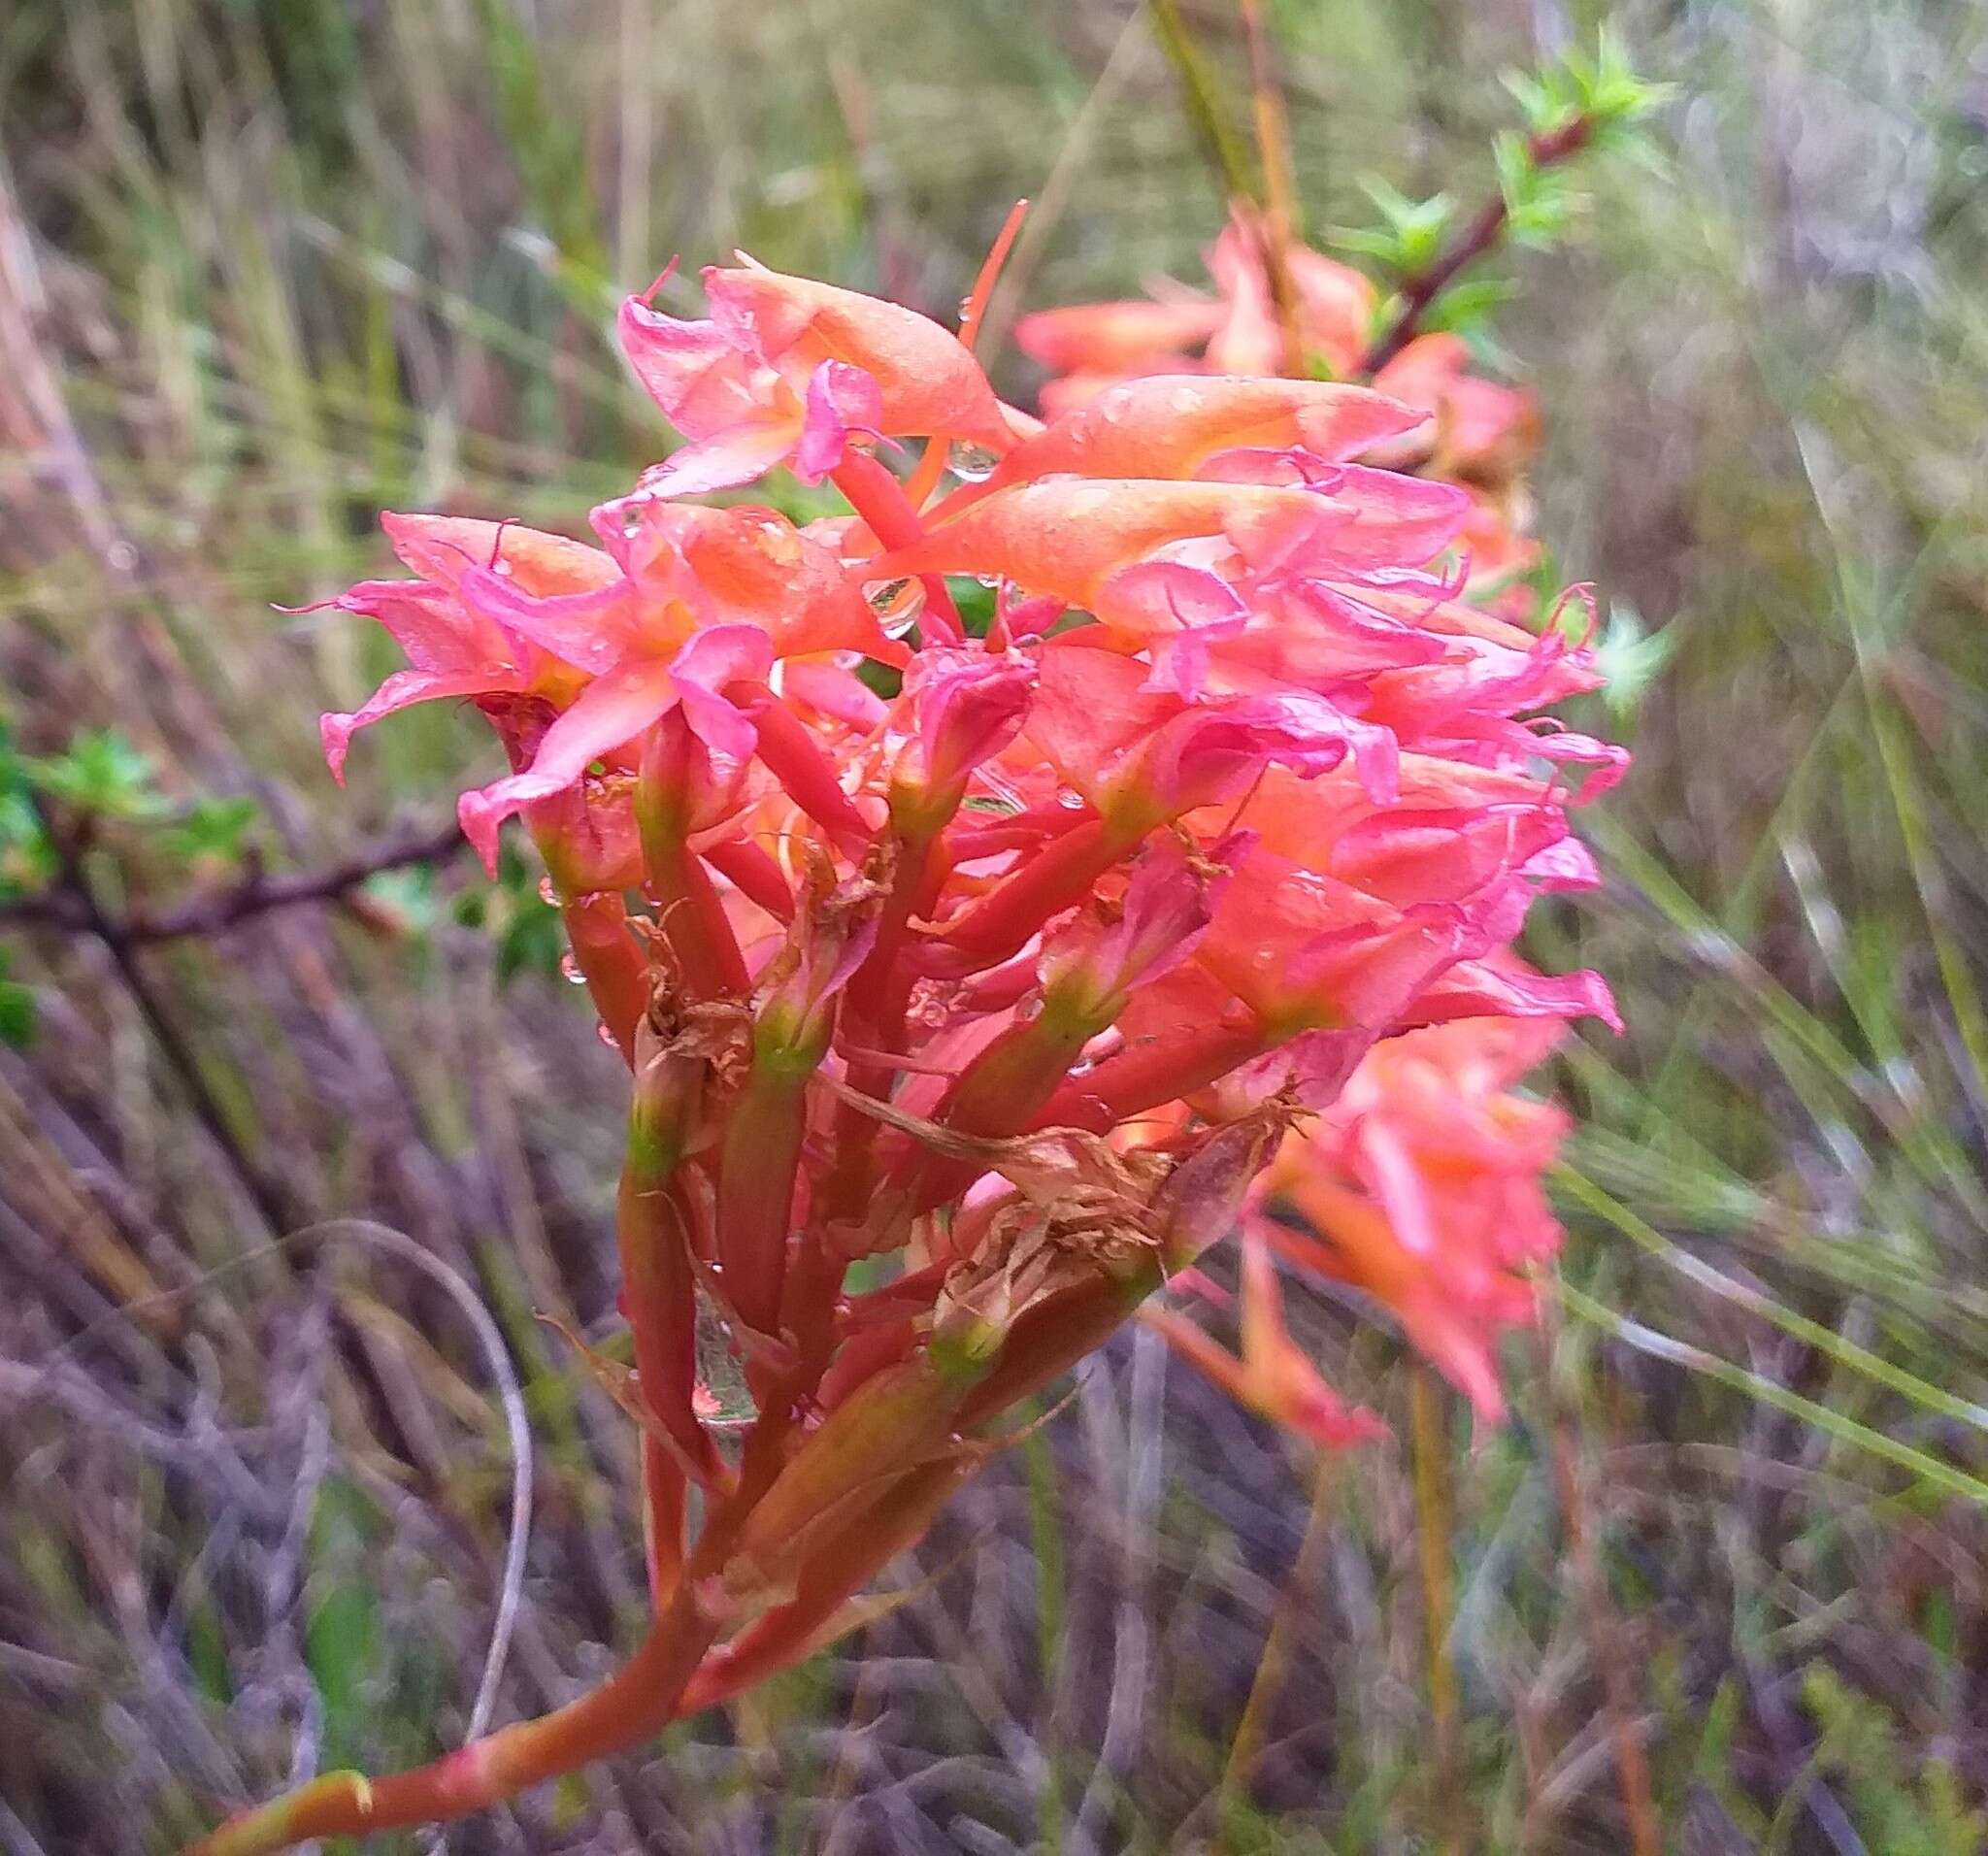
983 883
1420 1183
1420 1187
1480 434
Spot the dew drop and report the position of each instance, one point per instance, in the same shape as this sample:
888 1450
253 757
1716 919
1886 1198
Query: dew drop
569 969
971 463
548 894
606 1037
883 597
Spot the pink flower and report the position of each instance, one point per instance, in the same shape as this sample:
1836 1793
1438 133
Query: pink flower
1421 1185
1272 1376
455 651
789 372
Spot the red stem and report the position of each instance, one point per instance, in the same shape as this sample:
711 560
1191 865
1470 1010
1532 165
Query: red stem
632 1705
1050 1338
694 921
1153 1070
610 962
675 769
666 1513
839 1568
1001 922
659 1298
879 499
761 1160
1422 288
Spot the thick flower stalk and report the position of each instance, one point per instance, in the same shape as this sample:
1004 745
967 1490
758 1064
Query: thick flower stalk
999 941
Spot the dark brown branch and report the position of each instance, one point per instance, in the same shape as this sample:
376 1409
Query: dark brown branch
269 1196
73 910
1420 288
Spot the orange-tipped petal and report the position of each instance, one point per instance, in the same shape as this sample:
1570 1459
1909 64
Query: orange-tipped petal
756 566
1335 306
614 708
1481 427
927 380
402 690
1434 1313
1116 338
436 630
1273 1376
1069 535
725 459
1169 425
441 547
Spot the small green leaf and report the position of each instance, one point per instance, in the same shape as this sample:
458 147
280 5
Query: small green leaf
343 1638
213 830
16 1009
526 928
101 773
1367 242
1464 305
409 893
1631 657
1414 228
27 860
529 940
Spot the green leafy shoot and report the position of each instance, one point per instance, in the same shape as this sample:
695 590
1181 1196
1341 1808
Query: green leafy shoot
102 775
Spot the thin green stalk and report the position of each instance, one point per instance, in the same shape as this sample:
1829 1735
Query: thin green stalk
1434 1528
1204 103
1738 1378
1045 1543
1826 1340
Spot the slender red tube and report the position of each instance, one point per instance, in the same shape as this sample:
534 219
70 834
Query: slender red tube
1001 923
879 499
612 966
1147 1074
753 875
795 759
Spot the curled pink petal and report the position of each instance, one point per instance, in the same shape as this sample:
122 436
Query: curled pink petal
614 708
842 400
401 690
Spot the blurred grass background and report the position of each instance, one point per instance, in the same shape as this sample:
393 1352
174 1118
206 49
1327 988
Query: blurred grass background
266 268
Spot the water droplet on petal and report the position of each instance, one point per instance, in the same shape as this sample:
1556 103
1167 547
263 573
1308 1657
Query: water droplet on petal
569 969
606 1037
548 894
971 463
